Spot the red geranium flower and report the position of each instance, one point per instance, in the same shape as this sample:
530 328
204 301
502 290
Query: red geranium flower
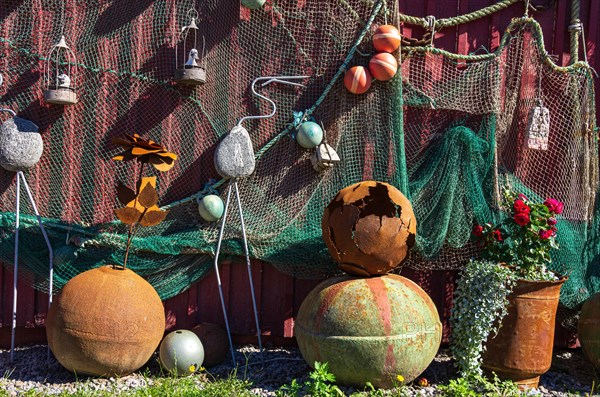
521 207
546 234
554 206
497 235
478 230
552 221
521 218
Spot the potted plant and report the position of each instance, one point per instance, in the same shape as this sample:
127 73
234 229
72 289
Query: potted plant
108 321
512 292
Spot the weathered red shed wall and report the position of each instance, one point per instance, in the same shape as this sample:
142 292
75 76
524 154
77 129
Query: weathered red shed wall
280 296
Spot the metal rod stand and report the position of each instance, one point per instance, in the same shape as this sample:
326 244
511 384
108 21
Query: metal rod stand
247 254
219 241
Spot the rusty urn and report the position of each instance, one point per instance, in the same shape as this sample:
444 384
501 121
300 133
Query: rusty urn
522 349
369 228
105 322
588 330
369 329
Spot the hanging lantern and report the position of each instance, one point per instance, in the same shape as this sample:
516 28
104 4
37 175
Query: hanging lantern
61 75
189 66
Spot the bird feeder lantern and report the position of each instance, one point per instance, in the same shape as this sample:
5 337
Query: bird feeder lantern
189 67
61 75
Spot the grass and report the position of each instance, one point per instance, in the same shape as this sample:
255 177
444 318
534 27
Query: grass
192 386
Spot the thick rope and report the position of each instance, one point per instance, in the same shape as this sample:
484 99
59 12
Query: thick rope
515 24
460 19
575 30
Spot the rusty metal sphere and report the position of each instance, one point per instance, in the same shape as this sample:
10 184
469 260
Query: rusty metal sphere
214 340
588 330
369 228
369 329
105 322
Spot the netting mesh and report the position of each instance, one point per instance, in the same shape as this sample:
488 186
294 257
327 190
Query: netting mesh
447 131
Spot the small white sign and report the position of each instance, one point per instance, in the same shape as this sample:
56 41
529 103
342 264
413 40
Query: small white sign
538 128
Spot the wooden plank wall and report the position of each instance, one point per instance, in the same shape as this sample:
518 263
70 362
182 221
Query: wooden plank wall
280 296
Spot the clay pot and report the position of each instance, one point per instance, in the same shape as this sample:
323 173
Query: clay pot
588 330
215 342
522 350
105 322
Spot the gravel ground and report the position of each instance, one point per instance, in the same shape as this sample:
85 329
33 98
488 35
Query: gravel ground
570 374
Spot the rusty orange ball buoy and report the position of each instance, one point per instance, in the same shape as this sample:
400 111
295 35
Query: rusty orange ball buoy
386 38
369 228
383 66
105 322
358 80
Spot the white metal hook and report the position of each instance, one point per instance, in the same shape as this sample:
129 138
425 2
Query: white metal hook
12 112
269 80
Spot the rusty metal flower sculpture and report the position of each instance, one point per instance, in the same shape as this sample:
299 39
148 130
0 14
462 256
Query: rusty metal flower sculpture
145 151
141 205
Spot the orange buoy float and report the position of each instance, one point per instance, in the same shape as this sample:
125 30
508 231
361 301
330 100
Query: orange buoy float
358 80
386 38
383 66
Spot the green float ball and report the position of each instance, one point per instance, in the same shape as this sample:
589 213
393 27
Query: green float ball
211 208
253 4
181 353
309 135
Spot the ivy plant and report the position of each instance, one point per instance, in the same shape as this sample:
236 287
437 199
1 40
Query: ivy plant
480 302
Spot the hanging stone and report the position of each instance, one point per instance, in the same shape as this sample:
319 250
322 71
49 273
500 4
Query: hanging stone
324 158
538 128
21 145
234 157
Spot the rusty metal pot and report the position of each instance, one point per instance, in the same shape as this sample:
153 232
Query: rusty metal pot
105 322
369 329
588 330
522 350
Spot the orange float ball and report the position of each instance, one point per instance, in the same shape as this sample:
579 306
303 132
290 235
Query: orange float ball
358 79
383 66
386 38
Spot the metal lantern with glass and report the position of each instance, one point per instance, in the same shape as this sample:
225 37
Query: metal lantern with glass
190 68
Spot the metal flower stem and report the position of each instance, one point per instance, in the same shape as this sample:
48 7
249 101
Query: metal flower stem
219 276
247 254
21 176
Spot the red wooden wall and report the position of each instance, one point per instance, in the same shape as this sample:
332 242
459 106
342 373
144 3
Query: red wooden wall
278 295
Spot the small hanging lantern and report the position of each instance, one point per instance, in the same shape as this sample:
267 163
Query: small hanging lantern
61 75
190 69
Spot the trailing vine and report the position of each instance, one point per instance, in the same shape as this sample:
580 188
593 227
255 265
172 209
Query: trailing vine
480 303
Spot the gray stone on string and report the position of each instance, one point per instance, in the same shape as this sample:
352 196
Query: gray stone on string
21 145
234 157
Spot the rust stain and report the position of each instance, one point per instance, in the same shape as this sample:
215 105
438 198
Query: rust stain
379 291
329 297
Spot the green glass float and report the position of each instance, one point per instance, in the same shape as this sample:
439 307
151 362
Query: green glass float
309 135
253 4
211 207
181 353
369 329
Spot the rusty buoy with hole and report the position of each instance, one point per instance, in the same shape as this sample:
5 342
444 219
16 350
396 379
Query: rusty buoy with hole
369 329
105 322
369 228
